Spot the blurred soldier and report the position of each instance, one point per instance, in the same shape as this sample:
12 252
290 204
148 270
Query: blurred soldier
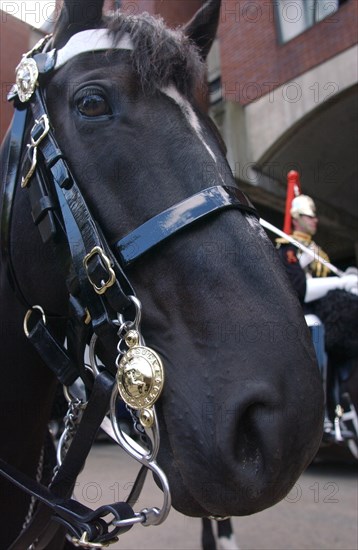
332 299
309 274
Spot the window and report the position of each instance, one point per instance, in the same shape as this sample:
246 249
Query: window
295 16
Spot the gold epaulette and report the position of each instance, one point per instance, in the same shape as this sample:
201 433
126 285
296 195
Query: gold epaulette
301 237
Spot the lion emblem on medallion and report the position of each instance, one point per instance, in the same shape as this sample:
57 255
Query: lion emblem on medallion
140 377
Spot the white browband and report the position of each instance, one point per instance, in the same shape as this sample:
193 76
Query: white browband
90 41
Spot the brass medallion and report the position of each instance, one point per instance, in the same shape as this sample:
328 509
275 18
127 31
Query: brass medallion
26 78
140 377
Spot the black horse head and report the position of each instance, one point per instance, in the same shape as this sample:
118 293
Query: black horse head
241 411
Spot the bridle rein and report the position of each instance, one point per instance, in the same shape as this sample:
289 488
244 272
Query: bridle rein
101 302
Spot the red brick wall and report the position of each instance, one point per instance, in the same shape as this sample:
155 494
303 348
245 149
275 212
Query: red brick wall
253 61
175 12
14 41
137 6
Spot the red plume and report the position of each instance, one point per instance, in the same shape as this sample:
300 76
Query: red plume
293 190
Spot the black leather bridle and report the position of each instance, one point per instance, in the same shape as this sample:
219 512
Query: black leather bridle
99 291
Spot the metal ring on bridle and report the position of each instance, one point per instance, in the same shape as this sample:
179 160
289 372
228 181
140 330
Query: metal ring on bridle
27 318
92 355
121 323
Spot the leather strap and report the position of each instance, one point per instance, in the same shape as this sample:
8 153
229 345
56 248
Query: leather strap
15 145
178 217
55 502
78 220
53 353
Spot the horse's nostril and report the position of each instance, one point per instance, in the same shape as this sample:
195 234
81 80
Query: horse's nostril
255 436
247 437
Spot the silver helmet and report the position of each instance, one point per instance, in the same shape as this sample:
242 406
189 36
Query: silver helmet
303 205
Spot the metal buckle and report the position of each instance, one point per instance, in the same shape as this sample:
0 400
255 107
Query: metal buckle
107 264
34 145
83 542
46 127
25 180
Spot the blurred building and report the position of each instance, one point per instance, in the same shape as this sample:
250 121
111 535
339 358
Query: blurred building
283 79
283 90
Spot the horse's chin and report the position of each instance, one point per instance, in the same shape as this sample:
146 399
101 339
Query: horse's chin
185 502
199 493
182 499
185 496
181 492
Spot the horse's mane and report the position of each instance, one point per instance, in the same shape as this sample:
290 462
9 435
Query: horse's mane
161 55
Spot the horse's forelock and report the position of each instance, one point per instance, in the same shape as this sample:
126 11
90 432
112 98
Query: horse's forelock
161 56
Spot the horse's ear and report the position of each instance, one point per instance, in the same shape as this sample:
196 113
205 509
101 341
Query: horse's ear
203 26
75 16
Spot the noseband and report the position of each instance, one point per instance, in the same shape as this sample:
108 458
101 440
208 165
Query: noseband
102 303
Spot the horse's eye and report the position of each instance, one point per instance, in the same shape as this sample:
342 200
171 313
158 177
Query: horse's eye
93 105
